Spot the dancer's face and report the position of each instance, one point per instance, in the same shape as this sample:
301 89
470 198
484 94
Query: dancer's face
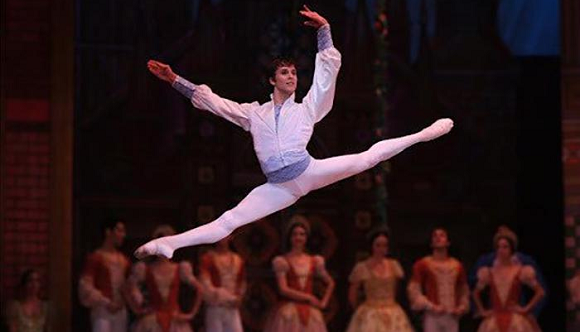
504 249
439 239
298 237
117 234
285 79
381 246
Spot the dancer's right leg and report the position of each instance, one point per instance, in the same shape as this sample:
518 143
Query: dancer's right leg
322 173
260 202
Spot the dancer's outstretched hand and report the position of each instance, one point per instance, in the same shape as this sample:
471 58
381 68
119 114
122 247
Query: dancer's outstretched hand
161 70
314 19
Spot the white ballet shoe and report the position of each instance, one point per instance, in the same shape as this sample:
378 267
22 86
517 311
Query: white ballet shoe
437 129
158 247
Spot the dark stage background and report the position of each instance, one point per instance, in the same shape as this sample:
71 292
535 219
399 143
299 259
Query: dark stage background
141 152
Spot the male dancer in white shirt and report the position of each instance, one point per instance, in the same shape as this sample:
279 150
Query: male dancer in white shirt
281 129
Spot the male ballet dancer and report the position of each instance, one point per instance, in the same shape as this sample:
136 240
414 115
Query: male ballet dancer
281 129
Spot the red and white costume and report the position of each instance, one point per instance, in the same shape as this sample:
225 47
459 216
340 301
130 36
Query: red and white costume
439 283
294 316
100 285
224 281
163 297
504 296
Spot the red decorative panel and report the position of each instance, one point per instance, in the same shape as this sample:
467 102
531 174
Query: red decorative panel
27 110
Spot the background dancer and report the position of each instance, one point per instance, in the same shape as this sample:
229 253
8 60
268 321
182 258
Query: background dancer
296 271
438 286
153 293
378 277
222 274
101 282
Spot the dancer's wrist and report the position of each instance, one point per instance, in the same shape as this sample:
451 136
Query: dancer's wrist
172 78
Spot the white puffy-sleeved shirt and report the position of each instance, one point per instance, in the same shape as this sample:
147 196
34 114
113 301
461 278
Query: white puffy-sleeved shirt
283 144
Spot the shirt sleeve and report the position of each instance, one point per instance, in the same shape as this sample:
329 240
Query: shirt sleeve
320 97
398 269
239 114
137 277
324 38
280 265
212 294
203 98
415 290
528 276
89 295
358 273
184 87
319 265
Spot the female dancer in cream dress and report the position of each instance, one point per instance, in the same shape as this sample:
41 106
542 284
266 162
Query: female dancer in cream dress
29 312
378 277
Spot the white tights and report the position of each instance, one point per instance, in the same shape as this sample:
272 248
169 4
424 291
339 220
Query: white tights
272 197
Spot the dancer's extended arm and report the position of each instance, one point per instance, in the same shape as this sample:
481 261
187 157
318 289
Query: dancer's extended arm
202 97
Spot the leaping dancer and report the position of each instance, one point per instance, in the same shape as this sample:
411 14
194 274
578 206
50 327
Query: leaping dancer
281 129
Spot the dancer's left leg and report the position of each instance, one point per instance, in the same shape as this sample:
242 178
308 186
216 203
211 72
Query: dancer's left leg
260 202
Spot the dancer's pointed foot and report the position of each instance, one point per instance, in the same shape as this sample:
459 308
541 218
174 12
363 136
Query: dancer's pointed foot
437 129
158 247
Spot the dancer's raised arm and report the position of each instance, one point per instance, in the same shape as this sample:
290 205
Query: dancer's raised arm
320 97
202 97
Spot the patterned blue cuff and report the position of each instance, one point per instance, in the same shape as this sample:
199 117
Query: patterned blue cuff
324 38
185 87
